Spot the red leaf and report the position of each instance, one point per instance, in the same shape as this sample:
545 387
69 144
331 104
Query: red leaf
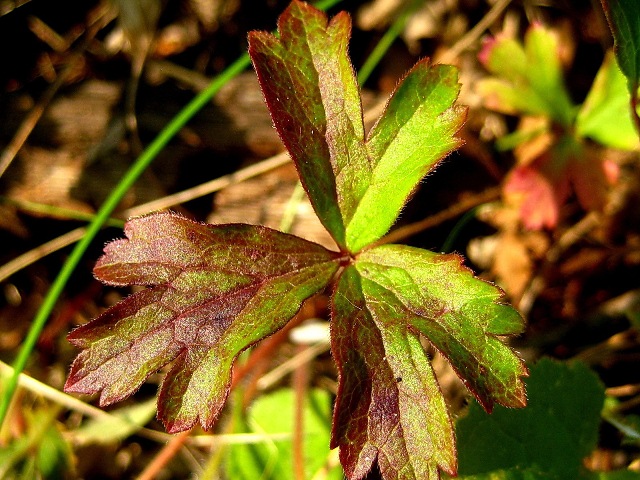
215 290
389 407
540 189
536 196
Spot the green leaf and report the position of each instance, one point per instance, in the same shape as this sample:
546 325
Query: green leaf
42 452
389 407
460 315
357 188
550 437
312 94
215 290
605 115
54 458
273 414
527 77
624 20
417 129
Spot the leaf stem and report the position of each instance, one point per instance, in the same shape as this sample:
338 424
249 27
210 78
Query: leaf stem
455 210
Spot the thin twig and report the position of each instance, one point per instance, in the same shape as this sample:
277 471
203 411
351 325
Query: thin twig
41 251
162 458
566 240
300 380
73 236
211 186
455 210
53 394
72 403
235 439
301 358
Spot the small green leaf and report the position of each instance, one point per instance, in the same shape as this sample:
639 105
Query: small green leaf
624 20
357 188
605 115
550 437
54 457
527 78
215 290
272 414
460 315
41 452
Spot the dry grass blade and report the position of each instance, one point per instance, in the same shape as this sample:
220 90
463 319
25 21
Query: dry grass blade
73 236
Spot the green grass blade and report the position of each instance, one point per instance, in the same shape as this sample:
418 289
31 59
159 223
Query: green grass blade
385 42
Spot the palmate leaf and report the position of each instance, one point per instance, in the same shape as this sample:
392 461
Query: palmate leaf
357 187
214 291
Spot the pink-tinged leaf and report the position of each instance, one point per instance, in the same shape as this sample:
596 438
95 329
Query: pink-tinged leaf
357 187
459 314
535 196
214 291
389 410
541 188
